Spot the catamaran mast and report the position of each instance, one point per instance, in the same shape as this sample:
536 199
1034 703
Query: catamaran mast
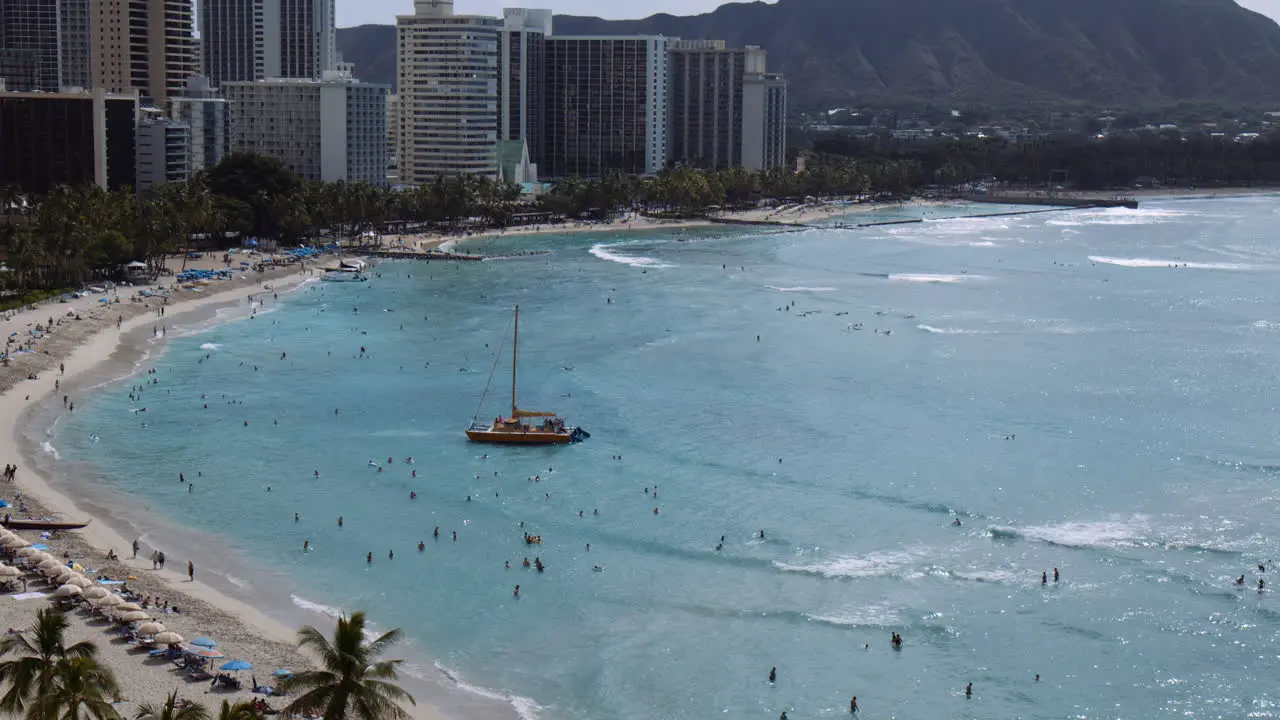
515 340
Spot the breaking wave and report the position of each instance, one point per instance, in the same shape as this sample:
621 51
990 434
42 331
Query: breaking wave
1156 263
602 251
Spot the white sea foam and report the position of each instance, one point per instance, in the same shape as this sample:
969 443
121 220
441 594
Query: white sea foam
50 449
525 707
933 277
316 607
1100 534
1120 216
951 331
1157 263
876 564
801 289
602 251
210 346
981 243
1266 325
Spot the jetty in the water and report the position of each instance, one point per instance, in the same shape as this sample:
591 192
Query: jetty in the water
1055 201
410 255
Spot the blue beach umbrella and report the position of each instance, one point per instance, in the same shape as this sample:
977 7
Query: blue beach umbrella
281 672
236 665
204 642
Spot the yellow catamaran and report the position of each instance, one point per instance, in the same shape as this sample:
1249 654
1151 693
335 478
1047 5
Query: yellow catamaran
514 428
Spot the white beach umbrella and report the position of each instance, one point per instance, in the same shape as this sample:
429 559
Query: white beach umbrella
48 563
9 571
14 542
108 600
151 628
61 572
168 637
127 606
38 557
133 616
67 591
79 581
95 592
25 552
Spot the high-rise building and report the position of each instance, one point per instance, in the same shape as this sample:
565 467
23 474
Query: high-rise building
764 109
606 105
447 70
162 151
724 107
330 129
209 117
522 77
75 42
29 30
246 40
393 122
51 139
143 45
18 70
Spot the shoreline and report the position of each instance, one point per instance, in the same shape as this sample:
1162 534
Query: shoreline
97 355
222 600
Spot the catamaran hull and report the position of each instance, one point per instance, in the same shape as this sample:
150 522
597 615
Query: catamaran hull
520 438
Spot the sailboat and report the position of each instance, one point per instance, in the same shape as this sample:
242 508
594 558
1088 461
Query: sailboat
514 428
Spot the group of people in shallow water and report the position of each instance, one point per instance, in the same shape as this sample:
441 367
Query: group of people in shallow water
1262 583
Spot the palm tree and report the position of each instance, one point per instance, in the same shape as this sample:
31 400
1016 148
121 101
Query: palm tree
242 710
82 688
31 669
171 710
352 683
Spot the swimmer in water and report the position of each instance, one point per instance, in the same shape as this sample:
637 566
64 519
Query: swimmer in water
306 545
956 522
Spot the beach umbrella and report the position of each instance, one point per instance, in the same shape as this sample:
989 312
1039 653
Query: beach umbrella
281 672
168 637
204 642
133 616
150 628
14 542
27 551
80 581
235 665
61 573
95 592
205 652
67 591
48 563
126 607
9 571
107 600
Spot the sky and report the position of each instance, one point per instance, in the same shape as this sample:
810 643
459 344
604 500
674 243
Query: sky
361 12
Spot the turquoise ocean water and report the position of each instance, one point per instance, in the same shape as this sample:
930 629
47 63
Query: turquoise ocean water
1052 380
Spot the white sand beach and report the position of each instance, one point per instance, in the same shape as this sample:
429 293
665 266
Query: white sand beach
85 334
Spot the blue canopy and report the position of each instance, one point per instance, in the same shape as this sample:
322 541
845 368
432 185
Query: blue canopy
281 672
236 665
204 642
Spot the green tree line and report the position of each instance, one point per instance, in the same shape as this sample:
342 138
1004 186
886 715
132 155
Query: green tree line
1085 162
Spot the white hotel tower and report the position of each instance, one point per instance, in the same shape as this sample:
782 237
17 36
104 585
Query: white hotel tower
447 69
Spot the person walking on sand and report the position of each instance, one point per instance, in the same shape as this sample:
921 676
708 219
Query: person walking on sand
155 559
160 559
135 549
191 571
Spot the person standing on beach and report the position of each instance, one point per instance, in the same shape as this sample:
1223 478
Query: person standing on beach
160 559
135 549
154 555
191 571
